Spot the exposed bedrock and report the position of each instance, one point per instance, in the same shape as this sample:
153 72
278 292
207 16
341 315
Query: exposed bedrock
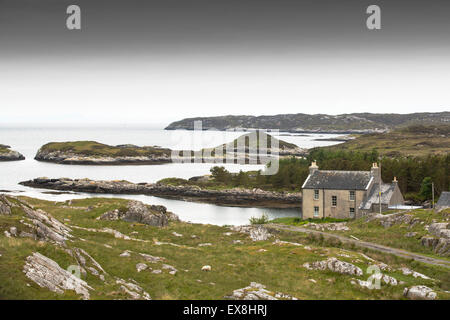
10 155
233 197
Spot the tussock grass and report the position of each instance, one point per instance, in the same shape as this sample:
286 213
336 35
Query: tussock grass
233 265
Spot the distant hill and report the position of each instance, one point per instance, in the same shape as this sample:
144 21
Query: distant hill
343 123
415 140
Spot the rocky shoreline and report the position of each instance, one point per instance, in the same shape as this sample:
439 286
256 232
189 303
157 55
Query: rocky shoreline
9 155
300 131
61 157
231 197
311 123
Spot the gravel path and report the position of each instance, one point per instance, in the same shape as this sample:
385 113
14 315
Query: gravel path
365 244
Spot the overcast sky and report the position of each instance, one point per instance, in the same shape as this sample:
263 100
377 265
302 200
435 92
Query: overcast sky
160 61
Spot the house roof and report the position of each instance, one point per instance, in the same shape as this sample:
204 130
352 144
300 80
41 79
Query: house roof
339 180
387 190
444 200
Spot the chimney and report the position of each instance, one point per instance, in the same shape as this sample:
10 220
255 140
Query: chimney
313 167
375 172
395 180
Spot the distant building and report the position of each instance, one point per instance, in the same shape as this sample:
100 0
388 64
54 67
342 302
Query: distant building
347 194
443 202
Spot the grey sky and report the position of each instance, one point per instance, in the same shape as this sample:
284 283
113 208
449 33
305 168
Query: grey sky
160 61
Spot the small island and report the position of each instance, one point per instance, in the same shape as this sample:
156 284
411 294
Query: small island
95 153
6 154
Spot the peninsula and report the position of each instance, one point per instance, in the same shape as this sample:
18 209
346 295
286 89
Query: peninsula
315 123
237 197
415 140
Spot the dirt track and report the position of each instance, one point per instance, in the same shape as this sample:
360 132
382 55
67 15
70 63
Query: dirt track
365 244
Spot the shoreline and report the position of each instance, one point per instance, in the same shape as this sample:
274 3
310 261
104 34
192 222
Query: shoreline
344 132
231 197
218 161
6 154
103 163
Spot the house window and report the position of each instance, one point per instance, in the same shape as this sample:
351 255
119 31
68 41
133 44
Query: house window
316 211
352 212
316 194
333 201
352 196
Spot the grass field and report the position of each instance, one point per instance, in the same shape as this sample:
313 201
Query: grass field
234 265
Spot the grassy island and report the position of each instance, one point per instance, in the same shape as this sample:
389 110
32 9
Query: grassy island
96 149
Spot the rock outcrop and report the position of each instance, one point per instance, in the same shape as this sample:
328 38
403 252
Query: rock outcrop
62 157
407 272
87 263
441 230
334 226
256 232
137 211
40 225
439 238
257 291
133 290
5 205
382 278
48 274
335 265
46 227
386 279
235 196
388 220
9 155
420 293
141 267
151 259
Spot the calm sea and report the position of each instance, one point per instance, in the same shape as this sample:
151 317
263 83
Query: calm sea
27 141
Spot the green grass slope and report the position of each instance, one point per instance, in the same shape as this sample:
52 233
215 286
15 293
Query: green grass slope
234 265
415 140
